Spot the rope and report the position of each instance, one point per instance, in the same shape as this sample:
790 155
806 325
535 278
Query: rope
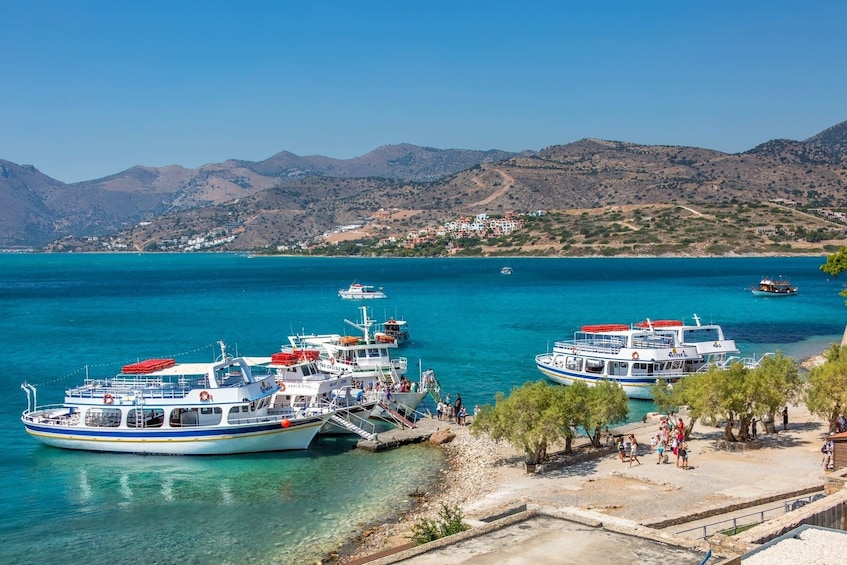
85 368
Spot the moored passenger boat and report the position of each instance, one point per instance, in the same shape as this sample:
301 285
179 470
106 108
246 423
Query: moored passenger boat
369 361
637 356
160 406
773 287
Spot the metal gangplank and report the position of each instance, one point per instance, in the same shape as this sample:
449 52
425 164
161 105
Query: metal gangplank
347 424
396 416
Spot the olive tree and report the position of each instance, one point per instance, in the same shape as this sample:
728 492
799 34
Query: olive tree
538 414
531 418
826 394
595 407
735 394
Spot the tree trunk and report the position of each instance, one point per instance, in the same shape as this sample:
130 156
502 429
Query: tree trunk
770 427
568 445
742 430
727 432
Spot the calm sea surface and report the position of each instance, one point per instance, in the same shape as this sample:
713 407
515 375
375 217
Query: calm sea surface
479 331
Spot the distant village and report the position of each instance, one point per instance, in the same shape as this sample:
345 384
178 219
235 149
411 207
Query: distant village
480 226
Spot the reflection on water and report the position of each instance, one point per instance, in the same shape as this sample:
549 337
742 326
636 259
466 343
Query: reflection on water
96 506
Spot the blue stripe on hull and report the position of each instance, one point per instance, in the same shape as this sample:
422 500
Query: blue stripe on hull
633 387
256 438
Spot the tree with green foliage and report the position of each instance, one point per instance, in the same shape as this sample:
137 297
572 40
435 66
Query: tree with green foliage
826 394
734 394
836 264
595 407
531 418
538 414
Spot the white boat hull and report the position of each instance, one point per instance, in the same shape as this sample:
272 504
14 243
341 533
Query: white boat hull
632 387
252 438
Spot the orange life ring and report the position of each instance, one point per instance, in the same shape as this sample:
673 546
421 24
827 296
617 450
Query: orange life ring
108 398
205 396
282 387
331 360
635 356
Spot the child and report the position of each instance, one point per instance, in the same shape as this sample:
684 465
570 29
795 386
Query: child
683 454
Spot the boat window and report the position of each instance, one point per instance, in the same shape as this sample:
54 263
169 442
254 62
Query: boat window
594 366
103 417
701 334
145 418
573 363
618 368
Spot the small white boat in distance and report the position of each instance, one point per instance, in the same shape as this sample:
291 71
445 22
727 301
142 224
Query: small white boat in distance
506 270
361 292
159 406
773 287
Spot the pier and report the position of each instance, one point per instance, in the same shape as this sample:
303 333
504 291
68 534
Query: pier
390 439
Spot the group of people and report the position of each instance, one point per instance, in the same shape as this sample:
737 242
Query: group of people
671 440
452 411
628 449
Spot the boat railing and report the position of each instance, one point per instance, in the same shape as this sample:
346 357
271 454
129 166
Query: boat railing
602 346
53 414
163 393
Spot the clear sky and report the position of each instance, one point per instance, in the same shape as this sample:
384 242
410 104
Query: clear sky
90 88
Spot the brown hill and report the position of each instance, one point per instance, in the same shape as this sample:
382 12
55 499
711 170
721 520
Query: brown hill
287 199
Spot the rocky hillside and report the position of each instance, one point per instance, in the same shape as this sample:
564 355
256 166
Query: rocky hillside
38 209
288 199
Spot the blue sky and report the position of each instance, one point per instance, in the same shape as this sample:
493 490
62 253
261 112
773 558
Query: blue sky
90 88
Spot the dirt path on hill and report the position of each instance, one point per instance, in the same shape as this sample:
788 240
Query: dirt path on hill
510 182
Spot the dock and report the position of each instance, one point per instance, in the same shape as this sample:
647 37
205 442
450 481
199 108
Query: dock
391 439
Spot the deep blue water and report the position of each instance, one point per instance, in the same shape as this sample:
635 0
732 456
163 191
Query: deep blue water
478 329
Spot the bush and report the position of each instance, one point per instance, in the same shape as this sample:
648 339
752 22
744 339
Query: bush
448 522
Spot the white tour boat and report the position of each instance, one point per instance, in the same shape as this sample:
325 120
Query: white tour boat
159 406
358 291
638 355
369 362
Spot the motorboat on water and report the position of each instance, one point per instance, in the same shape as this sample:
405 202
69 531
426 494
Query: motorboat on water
369 361
393 330
358 291
638 355
159 406
506 270
773 287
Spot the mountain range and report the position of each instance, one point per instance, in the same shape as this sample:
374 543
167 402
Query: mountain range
288 198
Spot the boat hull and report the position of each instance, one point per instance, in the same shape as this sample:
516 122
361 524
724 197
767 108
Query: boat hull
757 292
251 438
633 387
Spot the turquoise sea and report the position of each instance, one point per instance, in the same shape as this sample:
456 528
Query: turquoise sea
479 331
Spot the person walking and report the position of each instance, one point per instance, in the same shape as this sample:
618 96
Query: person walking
785 418
633 450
